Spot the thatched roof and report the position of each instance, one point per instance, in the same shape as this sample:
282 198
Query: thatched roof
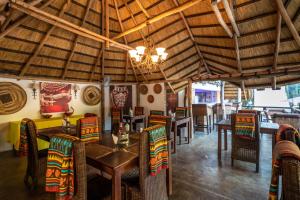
194 39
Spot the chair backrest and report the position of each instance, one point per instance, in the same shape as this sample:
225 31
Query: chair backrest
152 187
161 120
138 111
287 118
32 157
90 115
116 118
217 108
200 109
88 129
288 132
245 125
181 112
156 112
290 178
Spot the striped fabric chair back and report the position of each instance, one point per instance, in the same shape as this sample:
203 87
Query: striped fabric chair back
244 125
88 129
116 118
156 112
138 111
181 112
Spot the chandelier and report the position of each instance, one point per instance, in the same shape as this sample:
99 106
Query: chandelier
147 58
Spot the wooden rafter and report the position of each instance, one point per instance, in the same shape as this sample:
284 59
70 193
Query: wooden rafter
89 4
192 37
51 19
159 17
214 6
21 20
142 8
126 42
107 21
288 21
229 12
43 41
277 42
103 46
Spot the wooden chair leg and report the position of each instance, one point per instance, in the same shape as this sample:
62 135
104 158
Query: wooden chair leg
232 162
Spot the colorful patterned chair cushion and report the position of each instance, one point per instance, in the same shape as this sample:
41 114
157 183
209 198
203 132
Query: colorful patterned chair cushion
158 149
60 167
288 132
138 111
245 125
181 111
156 112
89 129
248 111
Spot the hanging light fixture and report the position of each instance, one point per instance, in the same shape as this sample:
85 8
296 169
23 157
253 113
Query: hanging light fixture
147 58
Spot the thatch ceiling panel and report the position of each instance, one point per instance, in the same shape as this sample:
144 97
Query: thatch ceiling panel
224 52
254 9
289 58
257 62
182 64
231 62
25 34
42 71
217 42
10 43
13 56
255 51
42 61
57 53
216 30
185 56
249 40
9 68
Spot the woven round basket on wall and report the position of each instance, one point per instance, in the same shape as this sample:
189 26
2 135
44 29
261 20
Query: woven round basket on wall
157 88
91 95
12 98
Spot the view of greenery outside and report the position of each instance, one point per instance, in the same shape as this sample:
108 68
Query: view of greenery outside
293 91
293 94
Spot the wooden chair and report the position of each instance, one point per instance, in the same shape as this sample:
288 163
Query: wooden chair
88 129
90 115
96 188
116 118
200 115
256 112
145 186
217 111
36 160
181 112
167 122
245 148
156 112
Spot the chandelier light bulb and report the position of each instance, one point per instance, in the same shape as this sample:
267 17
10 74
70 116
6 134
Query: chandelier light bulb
154 58
140 50
137 58
164 56
132 53
160 51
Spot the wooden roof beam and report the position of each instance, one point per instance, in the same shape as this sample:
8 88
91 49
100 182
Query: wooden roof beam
159 17
43 41
192 38
214 6
22 19
277 42
142 8
51 19
89 3
288 21
229 12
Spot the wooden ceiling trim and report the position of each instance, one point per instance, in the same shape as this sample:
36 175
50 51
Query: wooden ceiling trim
66 6
192 38
216 47
142 8
159 17
277 41
265 43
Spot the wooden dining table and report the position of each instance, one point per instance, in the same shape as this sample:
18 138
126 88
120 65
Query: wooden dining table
225 125
107 157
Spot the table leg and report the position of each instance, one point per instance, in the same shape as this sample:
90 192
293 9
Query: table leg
131 125
175 137
116 185
169 171
219 145
225 139
189 131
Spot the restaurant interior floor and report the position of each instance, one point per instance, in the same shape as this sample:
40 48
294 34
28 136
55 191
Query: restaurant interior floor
196 174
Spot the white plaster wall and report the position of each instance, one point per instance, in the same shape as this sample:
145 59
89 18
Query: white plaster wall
107 106
32 109
159 100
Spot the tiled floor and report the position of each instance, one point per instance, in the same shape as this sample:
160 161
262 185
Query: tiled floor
196 174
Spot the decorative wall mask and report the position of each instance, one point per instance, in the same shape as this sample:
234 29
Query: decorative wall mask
12 98
121 97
